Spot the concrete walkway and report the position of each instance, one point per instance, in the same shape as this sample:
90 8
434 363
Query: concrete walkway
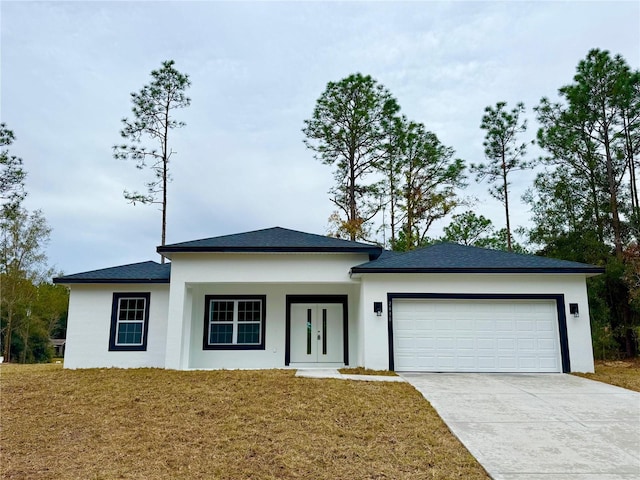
539 426
334 373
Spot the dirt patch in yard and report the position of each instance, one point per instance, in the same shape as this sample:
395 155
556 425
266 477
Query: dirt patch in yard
150 423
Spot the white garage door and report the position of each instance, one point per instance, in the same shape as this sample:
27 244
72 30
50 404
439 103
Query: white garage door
476 336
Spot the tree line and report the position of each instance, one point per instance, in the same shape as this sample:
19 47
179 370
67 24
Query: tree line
394 175
32 309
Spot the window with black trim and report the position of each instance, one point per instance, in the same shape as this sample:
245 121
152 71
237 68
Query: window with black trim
129 322
234 322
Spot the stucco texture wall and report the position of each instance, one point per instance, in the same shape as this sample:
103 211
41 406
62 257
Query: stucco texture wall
90 321
375 288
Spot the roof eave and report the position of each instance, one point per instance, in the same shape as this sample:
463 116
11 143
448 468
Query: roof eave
70 281
586 271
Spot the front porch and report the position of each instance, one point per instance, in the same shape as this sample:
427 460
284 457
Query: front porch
269 325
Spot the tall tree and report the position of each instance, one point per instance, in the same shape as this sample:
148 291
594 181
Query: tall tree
584 205
349 129
503 152
601 95
629 99
430 175
22 265
12 174
391 169
152 109
578 175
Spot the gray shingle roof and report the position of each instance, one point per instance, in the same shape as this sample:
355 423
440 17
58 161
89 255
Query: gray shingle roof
454 258
143 272
274 239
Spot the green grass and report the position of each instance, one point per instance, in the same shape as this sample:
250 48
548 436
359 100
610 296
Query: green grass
159 424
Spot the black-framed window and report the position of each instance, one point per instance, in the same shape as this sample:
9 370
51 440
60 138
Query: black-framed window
129 321
234 322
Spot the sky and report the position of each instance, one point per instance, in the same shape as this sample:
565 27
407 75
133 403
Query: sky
257 68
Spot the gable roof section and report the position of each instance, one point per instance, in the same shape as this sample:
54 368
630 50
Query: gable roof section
274 240
143 272
454 258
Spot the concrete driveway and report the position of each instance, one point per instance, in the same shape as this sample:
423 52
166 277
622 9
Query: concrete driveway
539 426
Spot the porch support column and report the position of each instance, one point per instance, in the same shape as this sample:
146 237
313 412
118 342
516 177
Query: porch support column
174 356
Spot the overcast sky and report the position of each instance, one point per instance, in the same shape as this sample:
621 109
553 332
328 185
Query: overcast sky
257 68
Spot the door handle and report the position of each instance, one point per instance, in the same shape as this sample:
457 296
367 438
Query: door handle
318 334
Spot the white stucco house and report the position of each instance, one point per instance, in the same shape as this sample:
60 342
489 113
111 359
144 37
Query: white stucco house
278 298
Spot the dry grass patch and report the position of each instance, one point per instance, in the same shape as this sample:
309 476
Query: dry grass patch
366 371
622 373
150 423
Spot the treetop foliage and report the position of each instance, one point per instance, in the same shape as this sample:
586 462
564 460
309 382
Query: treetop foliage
12 173
349 128
151 110
152 120
381 160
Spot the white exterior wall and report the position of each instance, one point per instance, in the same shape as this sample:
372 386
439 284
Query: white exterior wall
376 286
89 324
274 275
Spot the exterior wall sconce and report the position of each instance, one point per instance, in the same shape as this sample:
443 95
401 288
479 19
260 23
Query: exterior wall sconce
377 307
573 310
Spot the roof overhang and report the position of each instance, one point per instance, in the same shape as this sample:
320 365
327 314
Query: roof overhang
589 271
75 281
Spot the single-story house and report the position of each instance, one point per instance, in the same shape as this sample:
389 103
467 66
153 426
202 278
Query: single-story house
278 298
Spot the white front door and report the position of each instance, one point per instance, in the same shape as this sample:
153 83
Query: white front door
317 333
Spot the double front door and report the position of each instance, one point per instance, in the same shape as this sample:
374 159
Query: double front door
317 333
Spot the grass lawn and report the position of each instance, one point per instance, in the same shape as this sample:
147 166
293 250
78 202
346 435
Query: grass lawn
623 373
159 424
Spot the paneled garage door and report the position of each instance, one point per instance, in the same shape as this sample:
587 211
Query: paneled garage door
457 335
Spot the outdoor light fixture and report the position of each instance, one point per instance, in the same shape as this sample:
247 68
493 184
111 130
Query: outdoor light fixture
573 310
377 307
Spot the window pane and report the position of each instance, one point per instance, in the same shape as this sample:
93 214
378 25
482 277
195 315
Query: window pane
249 333
249 311
220 333
129 334
131 309
221 311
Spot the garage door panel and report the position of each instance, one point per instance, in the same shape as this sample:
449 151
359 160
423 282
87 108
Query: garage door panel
546 345
484 325
527 362
506 344
486 363
526 344
525 326
465 344
476 335
505 325
464 324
